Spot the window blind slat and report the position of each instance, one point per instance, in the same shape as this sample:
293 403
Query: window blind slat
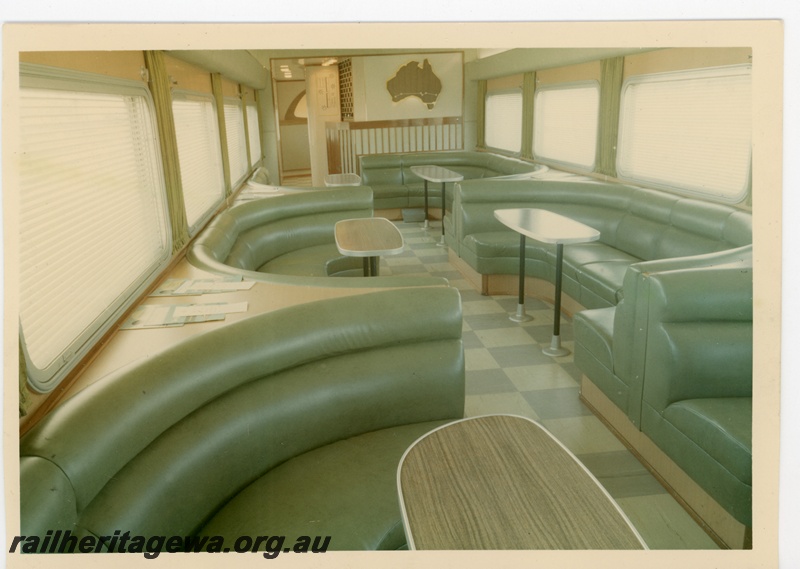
690 131
237 151
503 118
565 124
199 156
252 130
93 224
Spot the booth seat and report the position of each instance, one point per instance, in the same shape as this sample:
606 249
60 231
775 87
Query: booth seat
290 239
396 186
290 423
635 225
674 357
665 346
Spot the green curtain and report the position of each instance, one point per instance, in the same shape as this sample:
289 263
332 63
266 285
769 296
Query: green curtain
247 132
162 98
23 384
216 86
610 86
480 118
528 88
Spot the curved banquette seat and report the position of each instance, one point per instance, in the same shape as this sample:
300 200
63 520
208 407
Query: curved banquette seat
290 239
665 345
675 358
287 423
635 225
395 185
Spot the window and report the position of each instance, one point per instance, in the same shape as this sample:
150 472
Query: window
237 144
565 124
504 120
93 222
254 135
199 154
689 131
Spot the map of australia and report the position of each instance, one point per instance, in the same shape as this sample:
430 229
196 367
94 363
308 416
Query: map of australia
413 80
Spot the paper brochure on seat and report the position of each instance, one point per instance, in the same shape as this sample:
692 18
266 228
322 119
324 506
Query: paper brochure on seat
171 315
189 287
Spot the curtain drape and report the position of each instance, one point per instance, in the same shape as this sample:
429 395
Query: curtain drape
528 88
23 384
162 99
480 119
216 85
610 85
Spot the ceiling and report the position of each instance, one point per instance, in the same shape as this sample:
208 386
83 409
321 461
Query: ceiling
289 65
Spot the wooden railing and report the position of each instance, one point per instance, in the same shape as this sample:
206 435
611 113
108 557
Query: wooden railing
346 141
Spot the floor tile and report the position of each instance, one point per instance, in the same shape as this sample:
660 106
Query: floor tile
491 381
478 359
664 524
538 377
516 356
503 337
584 434
495 403
470 308
506 372
556 403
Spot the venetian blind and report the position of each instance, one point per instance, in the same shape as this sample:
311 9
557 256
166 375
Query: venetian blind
199 155
565 124
92 215
253 132
503 118
689 131
237 149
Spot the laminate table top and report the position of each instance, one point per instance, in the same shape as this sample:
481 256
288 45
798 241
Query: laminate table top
368 237
546 226
436 174
504 482
336 180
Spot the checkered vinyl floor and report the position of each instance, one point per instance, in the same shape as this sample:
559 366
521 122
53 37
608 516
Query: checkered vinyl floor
508 373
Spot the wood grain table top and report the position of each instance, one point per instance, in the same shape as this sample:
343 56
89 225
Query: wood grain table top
368 237
504 482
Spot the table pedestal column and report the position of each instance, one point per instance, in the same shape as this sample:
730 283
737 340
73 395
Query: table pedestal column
371 266
441 243
521 316
425 223
555 348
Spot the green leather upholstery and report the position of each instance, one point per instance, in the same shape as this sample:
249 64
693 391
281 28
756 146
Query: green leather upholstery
635 225
697 378
290 239
668 334
287 423
676 356
396 186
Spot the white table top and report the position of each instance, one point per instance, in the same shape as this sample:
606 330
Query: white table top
436 174
333 180
368 237
546 226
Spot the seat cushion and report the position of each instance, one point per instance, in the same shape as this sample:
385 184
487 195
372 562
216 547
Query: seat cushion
721 427
604 279
346 490
309 262
505 244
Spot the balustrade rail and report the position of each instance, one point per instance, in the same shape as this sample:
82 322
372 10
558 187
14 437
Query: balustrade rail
346 141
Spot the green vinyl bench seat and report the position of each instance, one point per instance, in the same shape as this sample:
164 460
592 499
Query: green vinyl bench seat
288 423
290 239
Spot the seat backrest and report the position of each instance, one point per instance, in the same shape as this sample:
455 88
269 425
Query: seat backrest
156 447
